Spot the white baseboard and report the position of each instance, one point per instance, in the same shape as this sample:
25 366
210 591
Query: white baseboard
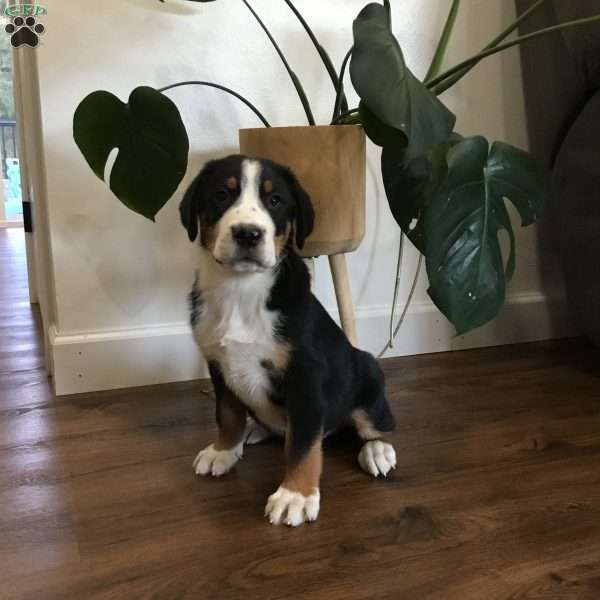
10 224
523 318
102 360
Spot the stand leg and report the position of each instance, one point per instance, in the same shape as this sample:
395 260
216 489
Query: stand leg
339 273
310 265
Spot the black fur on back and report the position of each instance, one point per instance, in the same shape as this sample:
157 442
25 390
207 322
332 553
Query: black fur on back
335 378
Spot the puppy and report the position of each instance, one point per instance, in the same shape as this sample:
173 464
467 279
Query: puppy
274 353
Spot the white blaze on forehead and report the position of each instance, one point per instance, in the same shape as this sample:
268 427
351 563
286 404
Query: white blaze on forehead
251 172
248 210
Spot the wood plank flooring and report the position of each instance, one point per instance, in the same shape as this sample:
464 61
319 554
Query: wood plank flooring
496 495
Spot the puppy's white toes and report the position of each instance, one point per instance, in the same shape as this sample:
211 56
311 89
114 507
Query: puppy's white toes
377 458
216 462
292 508
255 433
390 455
367 461
312 506
295 513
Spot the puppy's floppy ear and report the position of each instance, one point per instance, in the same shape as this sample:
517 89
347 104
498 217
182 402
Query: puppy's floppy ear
189 209
304 214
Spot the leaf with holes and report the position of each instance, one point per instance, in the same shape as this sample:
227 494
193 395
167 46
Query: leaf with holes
388 88
410 184
466 270
151 139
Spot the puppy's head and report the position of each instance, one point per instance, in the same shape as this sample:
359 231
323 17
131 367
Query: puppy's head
245 210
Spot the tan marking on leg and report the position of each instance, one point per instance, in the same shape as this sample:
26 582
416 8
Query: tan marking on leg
231 418
268 185
364 427
232 183
271 416
304 475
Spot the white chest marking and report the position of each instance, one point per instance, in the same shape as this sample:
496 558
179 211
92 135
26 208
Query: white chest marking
236 330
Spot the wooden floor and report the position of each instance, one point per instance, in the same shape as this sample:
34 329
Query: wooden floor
496 495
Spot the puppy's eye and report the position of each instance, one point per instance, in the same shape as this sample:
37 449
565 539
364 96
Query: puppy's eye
274 200
221 195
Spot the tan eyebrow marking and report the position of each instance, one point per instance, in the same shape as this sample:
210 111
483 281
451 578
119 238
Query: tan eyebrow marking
268 185
232 183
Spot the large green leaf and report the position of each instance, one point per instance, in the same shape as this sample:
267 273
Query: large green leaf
152 142
380 133
466 270
388 88
516 175
410 184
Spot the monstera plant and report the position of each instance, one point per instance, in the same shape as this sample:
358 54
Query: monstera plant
447 192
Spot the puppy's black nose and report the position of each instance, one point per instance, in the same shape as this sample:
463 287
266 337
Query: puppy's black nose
247 236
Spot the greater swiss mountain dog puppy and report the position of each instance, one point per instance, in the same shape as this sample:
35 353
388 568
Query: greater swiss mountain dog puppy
274 353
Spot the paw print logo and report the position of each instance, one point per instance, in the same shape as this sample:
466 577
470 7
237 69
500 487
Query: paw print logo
24 32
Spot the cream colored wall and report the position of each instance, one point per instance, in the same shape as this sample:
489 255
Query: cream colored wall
116 272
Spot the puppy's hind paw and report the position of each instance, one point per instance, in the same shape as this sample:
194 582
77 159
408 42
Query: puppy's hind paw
377 458
255 433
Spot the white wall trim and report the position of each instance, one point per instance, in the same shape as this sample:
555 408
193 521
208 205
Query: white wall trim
102 360
524 318
109 359
10 224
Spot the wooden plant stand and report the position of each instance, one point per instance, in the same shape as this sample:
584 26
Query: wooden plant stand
330 163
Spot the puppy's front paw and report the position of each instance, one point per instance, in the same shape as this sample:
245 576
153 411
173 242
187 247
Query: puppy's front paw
216 462
377 458
292 508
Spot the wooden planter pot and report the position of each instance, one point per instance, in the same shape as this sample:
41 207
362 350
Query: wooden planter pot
330 163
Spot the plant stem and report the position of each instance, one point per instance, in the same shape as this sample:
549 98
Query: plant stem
344 115
224 89
320 50
338 107
499 38
396 288
406 305
293 77
411 294
440 52
500 48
